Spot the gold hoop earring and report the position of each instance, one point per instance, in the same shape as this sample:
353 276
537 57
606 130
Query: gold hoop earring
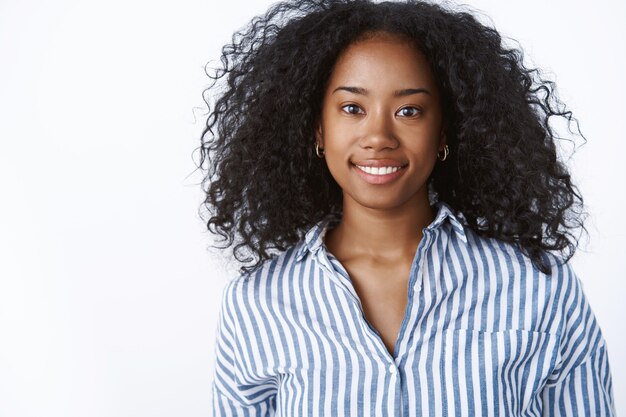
317 150
446 151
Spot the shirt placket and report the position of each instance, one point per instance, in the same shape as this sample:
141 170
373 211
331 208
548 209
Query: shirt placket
414 286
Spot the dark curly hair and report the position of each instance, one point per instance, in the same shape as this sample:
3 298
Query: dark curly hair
265 186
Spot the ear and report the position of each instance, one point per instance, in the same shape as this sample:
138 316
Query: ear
319 138
442 138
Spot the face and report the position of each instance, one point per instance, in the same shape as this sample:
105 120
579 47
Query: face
381 114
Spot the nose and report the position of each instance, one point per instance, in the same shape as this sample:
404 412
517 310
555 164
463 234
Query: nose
378 132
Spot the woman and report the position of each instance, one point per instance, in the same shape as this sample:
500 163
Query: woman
391 171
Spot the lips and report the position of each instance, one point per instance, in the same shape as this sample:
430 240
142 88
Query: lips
375 176
379 163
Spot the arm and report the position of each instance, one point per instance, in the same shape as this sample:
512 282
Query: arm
585 391
581 383
230 397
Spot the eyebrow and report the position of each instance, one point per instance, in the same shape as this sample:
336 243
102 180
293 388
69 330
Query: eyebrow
397 93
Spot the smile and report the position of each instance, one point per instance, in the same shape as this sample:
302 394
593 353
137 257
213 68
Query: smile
378 170
379 175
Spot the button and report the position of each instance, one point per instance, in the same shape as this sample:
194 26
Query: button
393 369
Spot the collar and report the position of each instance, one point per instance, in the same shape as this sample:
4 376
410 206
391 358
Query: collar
314 237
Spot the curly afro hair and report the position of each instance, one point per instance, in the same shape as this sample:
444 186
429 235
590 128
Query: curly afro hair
265 186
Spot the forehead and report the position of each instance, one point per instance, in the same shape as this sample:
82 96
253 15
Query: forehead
382 62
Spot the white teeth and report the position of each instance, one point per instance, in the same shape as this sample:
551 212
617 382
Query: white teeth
378 171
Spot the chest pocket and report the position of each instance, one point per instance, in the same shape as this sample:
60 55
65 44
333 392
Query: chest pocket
496 373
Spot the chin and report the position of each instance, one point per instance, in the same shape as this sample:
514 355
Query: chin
380 201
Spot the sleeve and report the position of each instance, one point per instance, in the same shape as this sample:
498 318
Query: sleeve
581 383
230 397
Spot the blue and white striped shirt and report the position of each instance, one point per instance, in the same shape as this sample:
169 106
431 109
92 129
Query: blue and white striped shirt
484 334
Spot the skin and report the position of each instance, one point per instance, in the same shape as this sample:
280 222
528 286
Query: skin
381 226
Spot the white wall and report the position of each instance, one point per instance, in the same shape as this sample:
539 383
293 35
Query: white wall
108 297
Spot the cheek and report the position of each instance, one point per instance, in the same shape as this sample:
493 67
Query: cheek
337 165
335 149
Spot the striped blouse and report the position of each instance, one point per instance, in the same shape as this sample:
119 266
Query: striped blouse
484 334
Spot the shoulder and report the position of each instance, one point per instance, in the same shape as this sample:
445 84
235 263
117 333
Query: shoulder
490 251
252 287
279 266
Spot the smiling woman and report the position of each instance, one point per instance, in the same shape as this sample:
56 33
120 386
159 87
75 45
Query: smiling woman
391 171
381 158
368 126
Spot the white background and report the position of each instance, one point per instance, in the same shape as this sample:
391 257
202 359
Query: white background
108 295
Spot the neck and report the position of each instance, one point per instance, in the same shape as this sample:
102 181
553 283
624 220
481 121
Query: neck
377 233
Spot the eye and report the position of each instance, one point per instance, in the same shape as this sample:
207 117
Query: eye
416 111
353 106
